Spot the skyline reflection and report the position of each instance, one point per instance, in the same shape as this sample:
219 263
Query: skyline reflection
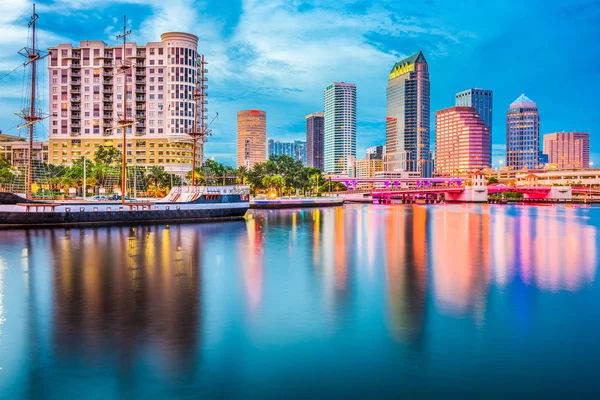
292 295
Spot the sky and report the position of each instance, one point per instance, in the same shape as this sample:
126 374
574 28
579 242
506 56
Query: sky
278 56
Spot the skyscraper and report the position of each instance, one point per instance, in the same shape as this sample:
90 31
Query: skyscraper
408 117
481 100
523 134
315 143
251 137
295 149
461 142
86 89
568 149
340 126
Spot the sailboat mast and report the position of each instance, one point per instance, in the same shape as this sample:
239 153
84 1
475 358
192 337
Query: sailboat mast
199 133
33 58
124 123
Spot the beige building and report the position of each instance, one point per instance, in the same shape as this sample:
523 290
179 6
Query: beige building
251 137
86 89
15 150
567 149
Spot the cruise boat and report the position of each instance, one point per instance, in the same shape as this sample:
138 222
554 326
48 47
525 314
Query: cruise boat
182 204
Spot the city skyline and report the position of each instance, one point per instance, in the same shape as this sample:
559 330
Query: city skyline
287 86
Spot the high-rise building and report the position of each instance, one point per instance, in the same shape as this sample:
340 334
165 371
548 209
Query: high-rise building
568 149
375 153
408 117
461 142
340 126
315 141
481 100
86 89
523 134
295 149
251 137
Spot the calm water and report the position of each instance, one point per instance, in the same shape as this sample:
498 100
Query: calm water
354 302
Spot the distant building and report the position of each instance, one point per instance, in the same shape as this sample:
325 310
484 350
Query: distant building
375 153
408 117
251 137
462 142
568 149
481 100
366 168
340 126
523 134
315 140
295 149
15 150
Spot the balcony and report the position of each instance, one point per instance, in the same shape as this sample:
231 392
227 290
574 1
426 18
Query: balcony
75 125
140 90
107 108
76 99
75 65
140 116
75 73
140 73
76 82
107 115
75 133
108 99
75 90
140 98
75 108
107 65
75 116
140 107
140 82
107 132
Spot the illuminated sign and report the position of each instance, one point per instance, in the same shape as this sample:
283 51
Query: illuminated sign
401 69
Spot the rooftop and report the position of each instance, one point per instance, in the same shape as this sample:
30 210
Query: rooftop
523 102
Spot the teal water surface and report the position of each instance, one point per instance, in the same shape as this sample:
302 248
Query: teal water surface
360 301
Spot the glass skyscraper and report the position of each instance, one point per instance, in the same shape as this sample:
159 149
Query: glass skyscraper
315 144
340 126
523 134
408 117
481 100
295 149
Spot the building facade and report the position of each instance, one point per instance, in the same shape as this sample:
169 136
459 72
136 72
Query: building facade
462 142
481 100
315 140
295 149
375 153
408 117
86 89
523 134
15 150
340 126
567 149
251 137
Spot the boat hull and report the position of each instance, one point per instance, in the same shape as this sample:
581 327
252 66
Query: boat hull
10 220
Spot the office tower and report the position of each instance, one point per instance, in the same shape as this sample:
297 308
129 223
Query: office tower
295 149
86 99
461 142
408 117
251 137
568 149
375 153
523 134
481 100
300 151
315 141
340 126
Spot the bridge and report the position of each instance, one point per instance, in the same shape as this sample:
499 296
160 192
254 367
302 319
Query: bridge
408 190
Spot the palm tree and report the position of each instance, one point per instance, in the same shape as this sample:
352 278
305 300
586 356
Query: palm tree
155 175
241 173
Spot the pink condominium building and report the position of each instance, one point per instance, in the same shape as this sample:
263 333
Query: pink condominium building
568 149
462 141
86 99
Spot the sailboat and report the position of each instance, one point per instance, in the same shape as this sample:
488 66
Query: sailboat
183 203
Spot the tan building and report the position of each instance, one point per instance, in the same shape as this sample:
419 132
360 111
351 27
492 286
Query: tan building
86 92
251 137
15 149
567 149
366 168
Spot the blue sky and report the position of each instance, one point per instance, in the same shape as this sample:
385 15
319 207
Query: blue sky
278 55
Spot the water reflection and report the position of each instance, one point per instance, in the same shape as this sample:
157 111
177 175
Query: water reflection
286 296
